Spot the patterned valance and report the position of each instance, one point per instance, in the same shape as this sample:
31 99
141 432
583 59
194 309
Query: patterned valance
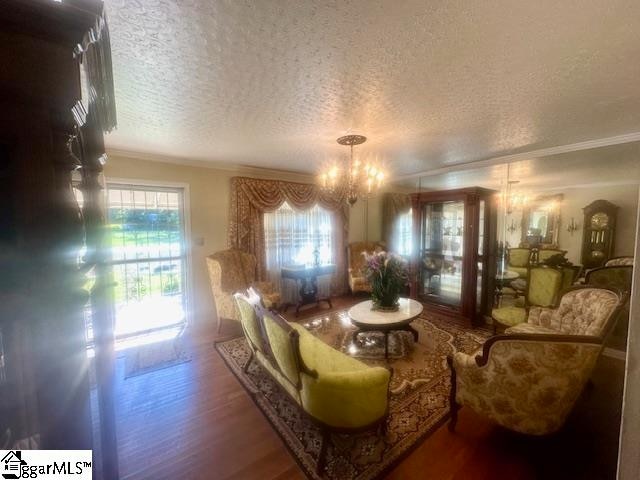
251 198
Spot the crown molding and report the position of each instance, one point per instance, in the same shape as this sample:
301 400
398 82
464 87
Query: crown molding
619 183
504 159
208 164
543 152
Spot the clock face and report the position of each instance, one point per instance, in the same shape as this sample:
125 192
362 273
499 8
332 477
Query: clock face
597 254
599 220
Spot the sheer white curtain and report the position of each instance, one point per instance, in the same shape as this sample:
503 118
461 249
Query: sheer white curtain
402 233
293 238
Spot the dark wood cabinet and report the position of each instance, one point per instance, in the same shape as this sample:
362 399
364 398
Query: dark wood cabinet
598 235
47 133
453 264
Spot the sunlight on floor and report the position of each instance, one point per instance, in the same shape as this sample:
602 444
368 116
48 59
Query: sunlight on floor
144 339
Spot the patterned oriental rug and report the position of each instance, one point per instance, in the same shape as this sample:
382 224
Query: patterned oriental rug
419 400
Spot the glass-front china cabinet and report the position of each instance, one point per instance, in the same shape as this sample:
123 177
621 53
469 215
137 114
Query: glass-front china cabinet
454 261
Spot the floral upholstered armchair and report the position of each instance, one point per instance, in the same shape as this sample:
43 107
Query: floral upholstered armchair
232 271
619 277
619 262
528 379
583 310
357 279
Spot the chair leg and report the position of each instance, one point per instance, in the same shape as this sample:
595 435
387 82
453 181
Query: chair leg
453 405
590 385
326 437
384 426
246 365
453 421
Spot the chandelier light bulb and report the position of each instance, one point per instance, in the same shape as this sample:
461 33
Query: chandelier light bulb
360 176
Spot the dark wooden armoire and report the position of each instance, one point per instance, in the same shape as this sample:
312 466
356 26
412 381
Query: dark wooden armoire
49 132
454 260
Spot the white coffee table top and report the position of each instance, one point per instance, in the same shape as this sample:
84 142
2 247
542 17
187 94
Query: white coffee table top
507 275
361 313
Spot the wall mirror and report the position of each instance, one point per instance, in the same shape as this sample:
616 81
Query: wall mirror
541 221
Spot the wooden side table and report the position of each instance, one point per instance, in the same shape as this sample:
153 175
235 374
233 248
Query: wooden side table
502 280
307 279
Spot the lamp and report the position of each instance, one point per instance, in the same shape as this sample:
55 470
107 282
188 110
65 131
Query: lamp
573 226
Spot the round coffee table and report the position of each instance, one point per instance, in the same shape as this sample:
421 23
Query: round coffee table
367 320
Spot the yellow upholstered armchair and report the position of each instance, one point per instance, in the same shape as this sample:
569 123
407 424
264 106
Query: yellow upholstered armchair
357 279
519 260
545 254
543 286
232 271
528 379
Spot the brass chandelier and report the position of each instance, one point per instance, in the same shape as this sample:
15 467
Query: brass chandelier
360 179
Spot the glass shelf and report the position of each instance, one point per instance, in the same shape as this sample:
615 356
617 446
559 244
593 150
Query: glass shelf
447 275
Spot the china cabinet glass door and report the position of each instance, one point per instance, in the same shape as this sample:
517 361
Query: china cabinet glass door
442 252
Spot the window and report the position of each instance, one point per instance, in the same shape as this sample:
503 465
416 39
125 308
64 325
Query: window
148 257
403 231
295 237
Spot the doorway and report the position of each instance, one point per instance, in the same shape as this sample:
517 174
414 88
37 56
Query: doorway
146 228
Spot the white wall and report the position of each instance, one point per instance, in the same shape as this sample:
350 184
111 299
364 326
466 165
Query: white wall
628 458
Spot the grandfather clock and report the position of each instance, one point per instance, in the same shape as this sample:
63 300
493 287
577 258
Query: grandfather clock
598 235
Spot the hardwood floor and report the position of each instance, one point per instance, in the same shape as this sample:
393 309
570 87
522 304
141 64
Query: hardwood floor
195 421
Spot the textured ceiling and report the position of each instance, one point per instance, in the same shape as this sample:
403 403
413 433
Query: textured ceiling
614 165
273 83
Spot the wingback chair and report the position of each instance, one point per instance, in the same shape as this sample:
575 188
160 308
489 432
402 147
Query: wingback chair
232 271
528 379
357 279
519 260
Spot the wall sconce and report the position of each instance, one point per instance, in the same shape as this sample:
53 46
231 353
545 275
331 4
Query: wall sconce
573 226
513 227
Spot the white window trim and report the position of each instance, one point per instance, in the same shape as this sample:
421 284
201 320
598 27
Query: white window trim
187 230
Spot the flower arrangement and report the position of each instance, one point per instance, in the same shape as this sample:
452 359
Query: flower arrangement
388 274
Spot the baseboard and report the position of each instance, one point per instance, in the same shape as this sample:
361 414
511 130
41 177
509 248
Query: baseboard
614 353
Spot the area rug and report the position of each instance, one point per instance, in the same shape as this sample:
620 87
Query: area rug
419 400
155 356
